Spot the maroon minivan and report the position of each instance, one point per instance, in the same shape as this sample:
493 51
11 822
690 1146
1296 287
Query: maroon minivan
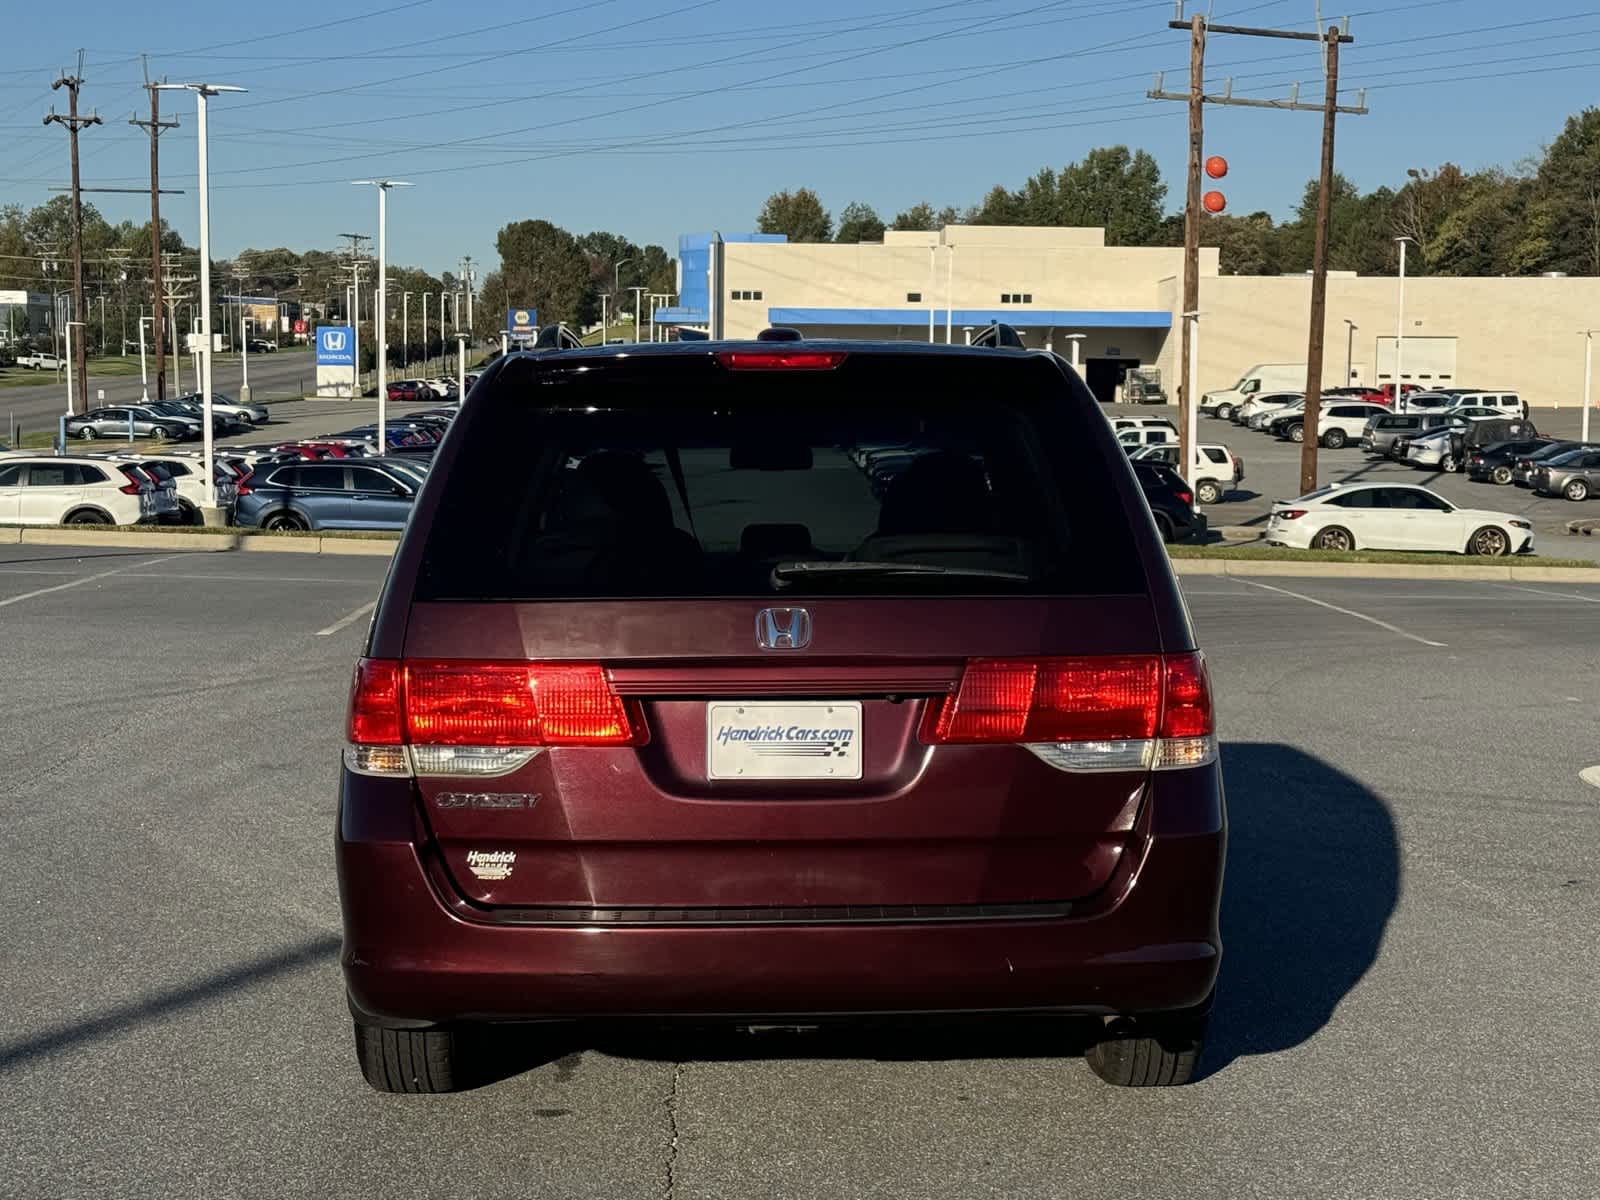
772 682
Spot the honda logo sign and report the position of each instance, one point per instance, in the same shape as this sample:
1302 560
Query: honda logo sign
335 346
783 629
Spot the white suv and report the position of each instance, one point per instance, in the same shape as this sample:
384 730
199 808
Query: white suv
78 491
188 483
1215 469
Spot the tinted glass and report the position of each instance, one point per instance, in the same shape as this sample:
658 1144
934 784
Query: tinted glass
1364 498
53 475
88 474
1215 455
365 479
677 477
11 476
1411 498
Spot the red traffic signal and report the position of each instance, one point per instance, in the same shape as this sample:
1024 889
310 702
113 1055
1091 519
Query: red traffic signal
1216 166
1214 202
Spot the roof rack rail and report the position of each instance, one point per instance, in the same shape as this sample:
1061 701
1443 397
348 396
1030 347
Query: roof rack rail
780 333
557 337
999 336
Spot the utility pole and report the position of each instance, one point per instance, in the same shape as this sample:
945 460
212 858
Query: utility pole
1196 98
74 122
466 278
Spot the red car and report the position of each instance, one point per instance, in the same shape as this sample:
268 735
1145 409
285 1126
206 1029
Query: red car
411 389
664 713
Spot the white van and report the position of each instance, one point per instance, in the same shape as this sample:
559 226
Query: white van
1271 377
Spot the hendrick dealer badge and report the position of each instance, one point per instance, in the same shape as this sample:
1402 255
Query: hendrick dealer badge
784 741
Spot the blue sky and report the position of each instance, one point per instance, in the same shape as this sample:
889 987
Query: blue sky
655 117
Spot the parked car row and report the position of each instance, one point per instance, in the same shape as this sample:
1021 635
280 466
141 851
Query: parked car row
178 419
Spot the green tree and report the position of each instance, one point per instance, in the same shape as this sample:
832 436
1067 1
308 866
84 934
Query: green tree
1566 198
919 217
1000 207
859 222
799 214
543 265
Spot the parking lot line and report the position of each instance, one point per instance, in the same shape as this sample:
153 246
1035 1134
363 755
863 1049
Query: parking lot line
1349 612
1517 587
61 587
348 618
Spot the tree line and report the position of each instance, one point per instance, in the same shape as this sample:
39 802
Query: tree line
1542 215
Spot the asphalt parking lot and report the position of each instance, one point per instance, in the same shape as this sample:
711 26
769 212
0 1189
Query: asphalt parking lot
1407 1005
1272 472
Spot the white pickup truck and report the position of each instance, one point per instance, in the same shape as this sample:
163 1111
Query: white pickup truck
39 362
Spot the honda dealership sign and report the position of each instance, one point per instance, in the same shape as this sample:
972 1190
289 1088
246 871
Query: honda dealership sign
336 361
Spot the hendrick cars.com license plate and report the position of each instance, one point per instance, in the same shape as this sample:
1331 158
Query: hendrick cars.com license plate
784 741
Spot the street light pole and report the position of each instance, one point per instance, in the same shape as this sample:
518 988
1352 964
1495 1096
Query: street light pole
144 377
1400 323
616 287
381 318
1588 382
202 93
405 331
427 350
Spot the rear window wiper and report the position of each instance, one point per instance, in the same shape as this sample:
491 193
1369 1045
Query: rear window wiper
786 573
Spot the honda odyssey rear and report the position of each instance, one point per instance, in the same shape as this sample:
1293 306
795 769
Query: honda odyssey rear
672 709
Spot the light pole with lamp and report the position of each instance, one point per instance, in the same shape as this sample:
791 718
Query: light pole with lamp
405 331
427 350
950 296
1588 381
616 289
381 317
144 377
1400 323
638 312
244 354
1350 352
211 514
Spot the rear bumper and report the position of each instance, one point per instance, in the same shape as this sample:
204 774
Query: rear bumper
416 955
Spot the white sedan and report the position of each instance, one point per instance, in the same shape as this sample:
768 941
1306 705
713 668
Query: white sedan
1393 517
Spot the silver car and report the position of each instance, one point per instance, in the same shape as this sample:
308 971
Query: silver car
225 405
146 423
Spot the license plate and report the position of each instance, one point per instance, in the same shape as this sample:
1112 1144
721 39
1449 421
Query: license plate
820 740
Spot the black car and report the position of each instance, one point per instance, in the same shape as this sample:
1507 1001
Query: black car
1171 501
1495 463
1524 465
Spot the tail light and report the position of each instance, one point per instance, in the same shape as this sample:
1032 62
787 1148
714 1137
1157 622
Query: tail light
244 483
137 481
447 717
1092 713
1290 514
1185 495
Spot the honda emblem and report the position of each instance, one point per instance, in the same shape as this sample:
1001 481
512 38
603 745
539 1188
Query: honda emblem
783 629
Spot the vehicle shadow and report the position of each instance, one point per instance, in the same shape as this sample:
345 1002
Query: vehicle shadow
1313 877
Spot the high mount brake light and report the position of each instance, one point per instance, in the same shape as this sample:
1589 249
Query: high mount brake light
780 360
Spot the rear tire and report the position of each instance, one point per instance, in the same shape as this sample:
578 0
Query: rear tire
1501 475
284 522
1334 439
1334 537
1297 433
1576 489
409 1061
1208 491
1224 412
1134 1054
88 517
1164 528
87 433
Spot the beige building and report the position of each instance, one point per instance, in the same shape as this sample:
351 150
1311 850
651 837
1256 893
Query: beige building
1122 308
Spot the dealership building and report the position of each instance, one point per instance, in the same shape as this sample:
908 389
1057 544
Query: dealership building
1116 307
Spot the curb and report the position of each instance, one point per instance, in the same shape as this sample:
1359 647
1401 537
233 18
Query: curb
213 542
1243 569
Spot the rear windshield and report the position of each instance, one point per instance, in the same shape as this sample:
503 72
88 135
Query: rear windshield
892 475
